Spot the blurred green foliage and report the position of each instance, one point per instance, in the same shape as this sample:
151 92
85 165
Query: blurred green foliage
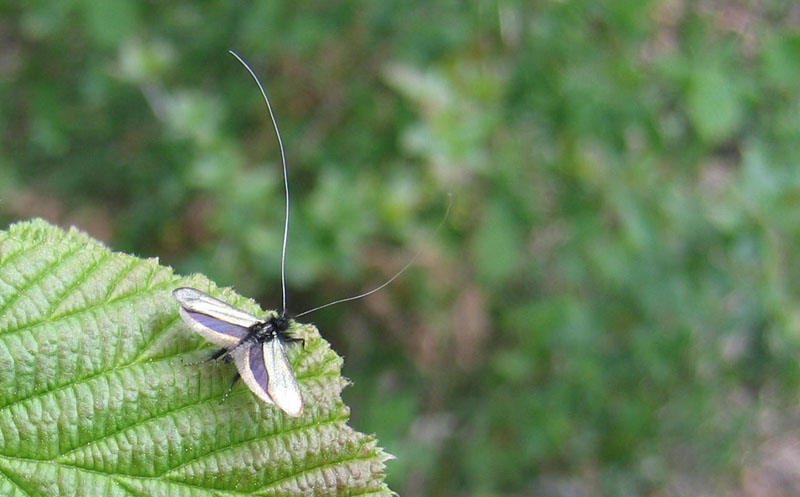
612 304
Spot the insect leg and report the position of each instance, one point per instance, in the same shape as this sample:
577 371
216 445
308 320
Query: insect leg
224 353
216 355
294 340
230 389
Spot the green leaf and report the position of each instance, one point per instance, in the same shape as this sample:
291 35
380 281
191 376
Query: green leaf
110 23
715 104
498 245
98 396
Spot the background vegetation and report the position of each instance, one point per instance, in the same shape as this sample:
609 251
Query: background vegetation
611 308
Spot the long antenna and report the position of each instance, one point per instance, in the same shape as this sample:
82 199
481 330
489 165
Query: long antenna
386 283
285 174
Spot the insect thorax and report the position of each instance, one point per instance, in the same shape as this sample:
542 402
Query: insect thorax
274 327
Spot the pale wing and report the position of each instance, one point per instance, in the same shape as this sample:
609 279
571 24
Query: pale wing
212 318
282 383
249 361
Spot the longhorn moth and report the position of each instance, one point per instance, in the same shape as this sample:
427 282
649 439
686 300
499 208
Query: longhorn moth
258 346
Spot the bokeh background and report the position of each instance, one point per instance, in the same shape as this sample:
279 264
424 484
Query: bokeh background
612 306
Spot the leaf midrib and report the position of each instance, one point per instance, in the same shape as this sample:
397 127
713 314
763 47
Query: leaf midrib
104 474
348 457
123 299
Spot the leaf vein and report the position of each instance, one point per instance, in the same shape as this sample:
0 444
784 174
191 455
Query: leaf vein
114 476
13 482
369 491
14 256
158 416
36 279
348 458
78 281
73 383
153 337
122 274
139 294
165 414
269 436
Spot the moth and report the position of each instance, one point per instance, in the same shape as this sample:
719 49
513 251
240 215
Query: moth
256 346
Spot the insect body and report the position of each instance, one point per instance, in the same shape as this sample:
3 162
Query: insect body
256 346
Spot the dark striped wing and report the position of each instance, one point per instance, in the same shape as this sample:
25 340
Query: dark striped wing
266 370
216 321
282 383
